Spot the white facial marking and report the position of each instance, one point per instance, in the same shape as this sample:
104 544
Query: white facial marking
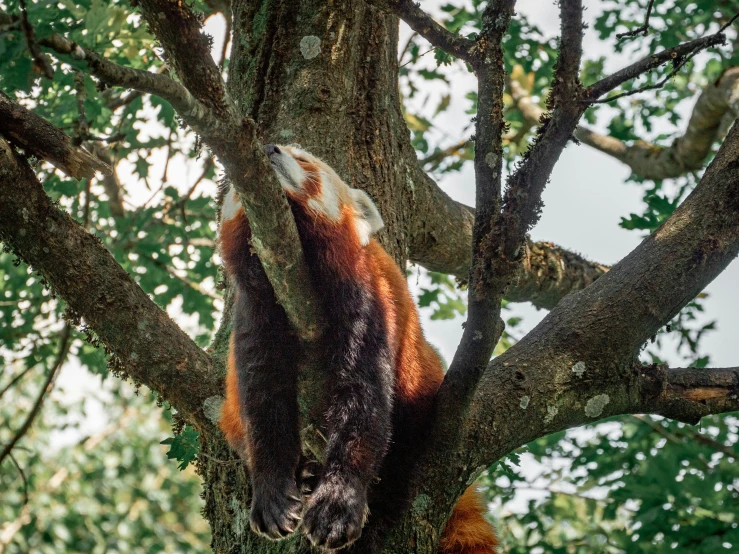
330 196
231 205
368 220
288 170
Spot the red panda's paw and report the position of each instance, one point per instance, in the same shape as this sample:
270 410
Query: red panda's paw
335 513
275 508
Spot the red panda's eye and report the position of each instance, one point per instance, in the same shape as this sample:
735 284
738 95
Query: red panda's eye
301 159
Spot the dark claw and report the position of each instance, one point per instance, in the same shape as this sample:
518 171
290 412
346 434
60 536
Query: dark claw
335 513
275 509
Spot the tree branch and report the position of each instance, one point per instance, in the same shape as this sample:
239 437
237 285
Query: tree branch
651 161
566 86
578 365
643 28
687 152
201 118
145 342
424 25
483 326
498 237
188 52
110 182
435 158
691 393
441 238
40 60
42 139
234 141
676 55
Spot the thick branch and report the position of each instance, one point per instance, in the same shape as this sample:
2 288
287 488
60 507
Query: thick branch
188 52
42 139
499 235
522 202
441 241
586 346
424 25
578 365
650 161
441 238
566 84
687 152
145 342
690 393
483 326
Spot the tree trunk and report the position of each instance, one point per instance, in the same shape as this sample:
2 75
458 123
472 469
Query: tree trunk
323 75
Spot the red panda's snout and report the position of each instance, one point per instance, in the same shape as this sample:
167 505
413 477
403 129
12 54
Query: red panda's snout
290 173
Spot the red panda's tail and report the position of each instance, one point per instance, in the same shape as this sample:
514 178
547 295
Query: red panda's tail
467 531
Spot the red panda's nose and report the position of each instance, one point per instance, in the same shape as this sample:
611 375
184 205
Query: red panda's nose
270 149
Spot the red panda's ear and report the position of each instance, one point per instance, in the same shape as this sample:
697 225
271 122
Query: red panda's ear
369 220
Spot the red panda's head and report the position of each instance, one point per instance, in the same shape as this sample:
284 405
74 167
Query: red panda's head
318 191
314 186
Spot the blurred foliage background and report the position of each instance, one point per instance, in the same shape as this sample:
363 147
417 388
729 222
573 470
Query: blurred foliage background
89 473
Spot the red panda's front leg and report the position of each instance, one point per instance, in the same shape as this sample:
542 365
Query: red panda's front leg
359 418
265 356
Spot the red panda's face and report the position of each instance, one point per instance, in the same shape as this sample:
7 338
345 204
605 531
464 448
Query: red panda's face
312 183
314 186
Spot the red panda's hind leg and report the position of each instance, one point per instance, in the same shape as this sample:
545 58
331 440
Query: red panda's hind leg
467 531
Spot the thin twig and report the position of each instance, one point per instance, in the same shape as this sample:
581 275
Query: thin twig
16 379
40 61
660 430
421 22
169 156
23 476
437 157
124 99
83 127
643 29
408 43
652 61
420 56
48 385
677 67
172 272
86 205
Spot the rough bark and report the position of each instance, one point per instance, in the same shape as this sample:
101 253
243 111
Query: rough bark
325 75
146 344
579 364
39 137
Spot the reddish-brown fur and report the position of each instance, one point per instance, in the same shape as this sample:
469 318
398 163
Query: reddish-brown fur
419 369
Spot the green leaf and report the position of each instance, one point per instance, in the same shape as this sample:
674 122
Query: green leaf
184 447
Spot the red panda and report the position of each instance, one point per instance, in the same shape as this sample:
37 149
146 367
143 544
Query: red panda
383 375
